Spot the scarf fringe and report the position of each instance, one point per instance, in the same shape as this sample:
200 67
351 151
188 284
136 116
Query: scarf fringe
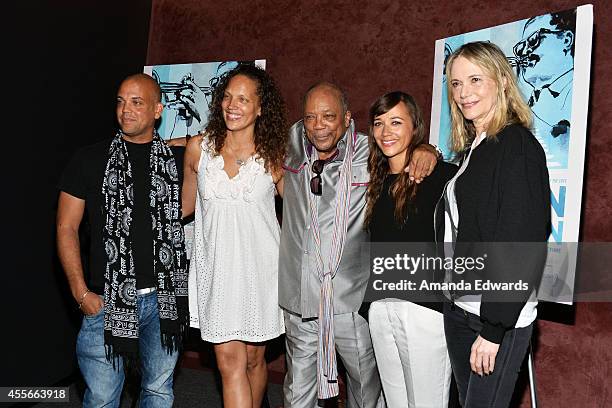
173 342
127 359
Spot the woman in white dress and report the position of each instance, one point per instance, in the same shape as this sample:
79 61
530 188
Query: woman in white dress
231 174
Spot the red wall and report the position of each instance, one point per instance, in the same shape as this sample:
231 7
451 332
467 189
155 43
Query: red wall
370 47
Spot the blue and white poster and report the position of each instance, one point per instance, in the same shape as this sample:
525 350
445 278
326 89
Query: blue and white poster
551 55
186 92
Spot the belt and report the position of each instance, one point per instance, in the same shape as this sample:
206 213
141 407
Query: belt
145 291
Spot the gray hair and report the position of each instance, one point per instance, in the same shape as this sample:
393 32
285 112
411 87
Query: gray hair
325 84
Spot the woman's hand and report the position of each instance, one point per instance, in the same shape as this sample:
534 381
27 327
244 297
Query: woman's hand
482 358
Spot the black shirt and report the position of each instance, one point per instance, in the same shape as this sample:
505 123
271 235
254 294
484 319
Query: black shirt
141 227
419 225
83 178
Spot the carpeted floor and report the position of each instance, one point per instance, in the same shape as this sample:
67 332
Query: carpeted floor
192 388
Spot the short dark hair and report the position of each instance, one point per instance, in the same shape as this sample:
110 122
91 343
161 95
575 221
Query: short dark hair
565 20
325 84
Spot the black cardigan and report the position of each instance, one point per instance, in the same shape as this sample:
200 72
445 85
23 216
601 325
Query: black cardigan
504 196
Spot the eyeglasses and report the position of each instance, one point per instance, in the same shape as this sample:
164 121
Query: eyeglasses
533 41
316 184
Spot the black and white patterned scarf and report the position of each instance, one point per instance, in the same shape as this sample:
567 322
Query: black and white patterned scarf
120 312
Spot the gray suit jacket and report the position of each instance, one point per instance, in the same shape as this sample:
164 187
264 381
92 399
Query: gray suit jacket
299 285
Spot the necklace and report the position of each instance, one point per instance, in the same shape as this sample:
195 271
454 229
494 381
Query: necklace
239 160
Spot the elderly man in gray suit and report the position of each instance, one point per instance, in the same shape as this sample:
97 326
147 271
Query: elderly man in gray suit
322 280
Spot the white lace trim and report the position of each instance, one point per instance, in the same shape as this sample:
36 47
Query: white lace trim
219 185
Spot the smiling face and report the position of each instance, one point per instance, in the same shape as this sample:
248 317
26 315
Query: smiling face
241 105
325 120
137 109
393 132
474 91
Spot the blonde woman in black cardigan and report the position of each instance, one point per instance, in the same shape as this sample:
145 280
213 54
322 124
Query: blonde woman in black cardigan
500 194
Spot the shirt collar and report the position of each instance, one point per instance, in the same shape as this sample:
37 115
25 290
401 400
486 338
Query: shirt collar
478 139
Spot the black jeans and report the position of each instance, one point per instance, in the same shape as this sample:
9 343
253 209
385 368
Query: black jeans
493 390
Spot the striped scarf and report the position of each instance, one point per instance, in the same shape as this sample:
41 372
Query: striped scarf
327 367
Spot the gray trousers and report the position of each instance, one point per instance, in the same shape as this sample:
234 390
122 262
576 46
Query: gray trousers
353 347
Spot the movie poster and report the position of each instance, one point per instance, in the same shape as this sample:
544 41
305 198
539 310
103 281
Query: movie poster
551 54
186 92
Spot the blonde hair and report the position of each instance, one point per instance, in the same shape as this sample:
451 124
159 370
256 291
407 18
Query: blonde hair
510 107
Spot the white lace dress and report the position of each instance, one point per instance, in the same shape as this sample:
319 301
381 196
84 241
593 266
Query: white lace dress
234 262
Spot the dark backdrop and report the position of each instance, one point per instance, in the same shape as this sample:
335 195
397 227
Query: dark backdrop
68 58
370 47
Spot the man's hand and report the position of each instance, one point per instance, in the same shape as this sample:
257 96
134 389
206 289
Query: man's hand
92 304
423 161
482 358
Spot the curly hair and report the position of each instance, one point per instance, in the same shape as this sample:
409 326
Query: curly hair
271 129
402 190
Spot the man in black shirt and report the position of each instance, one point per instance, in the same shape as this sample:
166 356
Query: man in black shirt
135 297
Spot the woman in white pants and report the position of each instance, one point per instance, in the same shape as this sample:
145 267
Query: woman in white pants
408 337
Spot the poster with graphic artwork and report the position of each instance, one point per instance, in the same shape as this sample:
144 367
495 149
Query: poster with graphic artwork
186 92
551 55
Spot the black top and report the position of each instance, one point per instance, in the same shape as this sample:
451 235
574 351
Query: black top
504 196
141 227
418 226
83 178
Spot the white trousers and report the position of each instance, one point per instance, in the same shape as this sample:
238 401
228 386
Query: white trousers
410 349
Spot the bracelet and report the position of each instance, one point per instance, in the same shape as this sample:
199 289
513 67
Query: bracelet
438 151
187 137
83 298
